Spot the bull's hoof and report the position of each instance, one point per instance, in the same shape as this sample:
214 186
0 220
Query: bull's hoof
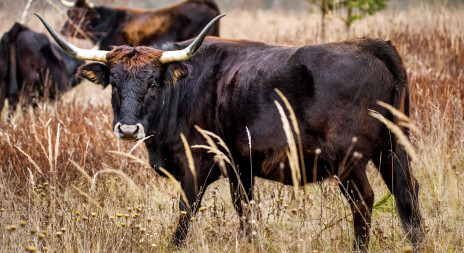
178 239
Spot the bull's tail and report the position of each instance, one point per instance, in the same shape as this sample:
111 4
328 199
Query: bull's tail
406 188
403 185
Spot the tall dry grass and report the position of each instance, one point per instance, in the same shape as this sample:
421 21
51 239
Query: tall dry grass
67 185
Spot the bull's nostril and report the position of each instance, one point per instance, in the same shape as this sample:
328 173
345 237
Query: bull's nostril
129 132
137 129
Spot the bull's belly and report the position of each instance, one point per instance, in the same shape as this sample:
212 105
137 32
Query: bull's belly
280 170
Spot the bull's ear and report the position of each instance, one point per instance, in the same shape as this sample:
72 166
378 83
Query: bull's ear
173 72
96 73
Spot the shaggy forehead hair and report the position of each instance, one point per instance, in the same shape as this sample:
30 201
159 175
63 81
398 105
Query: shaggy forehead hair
133 58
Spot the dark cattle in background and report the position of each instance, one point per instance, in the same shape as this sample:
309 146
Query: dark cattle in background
228 88
135 27
29 62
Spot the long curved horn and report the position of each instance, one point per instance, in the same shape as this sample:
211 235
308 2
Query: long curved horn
83 54
185 54
68 3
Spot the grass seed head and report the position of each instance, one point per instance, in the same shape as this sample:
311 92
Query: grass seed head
31 249
408 249
11 228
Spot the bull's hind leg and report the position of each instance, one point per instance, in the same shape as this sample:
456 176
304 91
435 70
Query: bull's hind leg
358 191
396 173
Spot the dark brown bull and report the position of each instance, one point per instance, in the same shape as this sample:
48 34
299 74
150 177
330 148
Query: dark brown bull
29 62
228 88
134 27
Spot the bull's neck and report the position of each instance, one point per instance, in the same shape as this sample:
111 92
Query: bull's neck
189 102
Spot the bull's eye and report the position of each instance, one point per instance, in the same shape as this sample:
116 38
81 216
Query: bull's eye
153 85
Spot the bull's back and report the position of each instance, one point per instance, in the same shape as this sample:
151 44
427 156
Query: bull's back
330 87
176 23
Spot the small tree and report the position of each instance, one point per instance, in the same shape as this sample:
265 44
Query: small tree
354 10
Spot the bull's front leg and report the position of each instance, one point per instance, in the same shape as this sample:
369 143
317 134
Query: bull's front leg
241 190
187 210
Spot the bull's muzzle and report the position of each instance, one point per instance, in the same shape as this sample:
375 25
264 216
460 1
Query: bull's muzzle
129 132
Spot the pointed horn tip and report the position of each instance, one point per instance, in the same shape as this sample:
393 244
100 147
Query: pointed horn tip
219 16
40 17
43 20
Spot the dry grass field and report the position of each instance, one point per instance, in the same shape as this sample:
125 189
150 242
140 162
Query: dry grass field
68 185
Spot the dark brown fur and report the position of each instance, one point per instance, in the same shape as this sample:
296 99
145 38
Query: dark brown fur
135 27
28 63
228 88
